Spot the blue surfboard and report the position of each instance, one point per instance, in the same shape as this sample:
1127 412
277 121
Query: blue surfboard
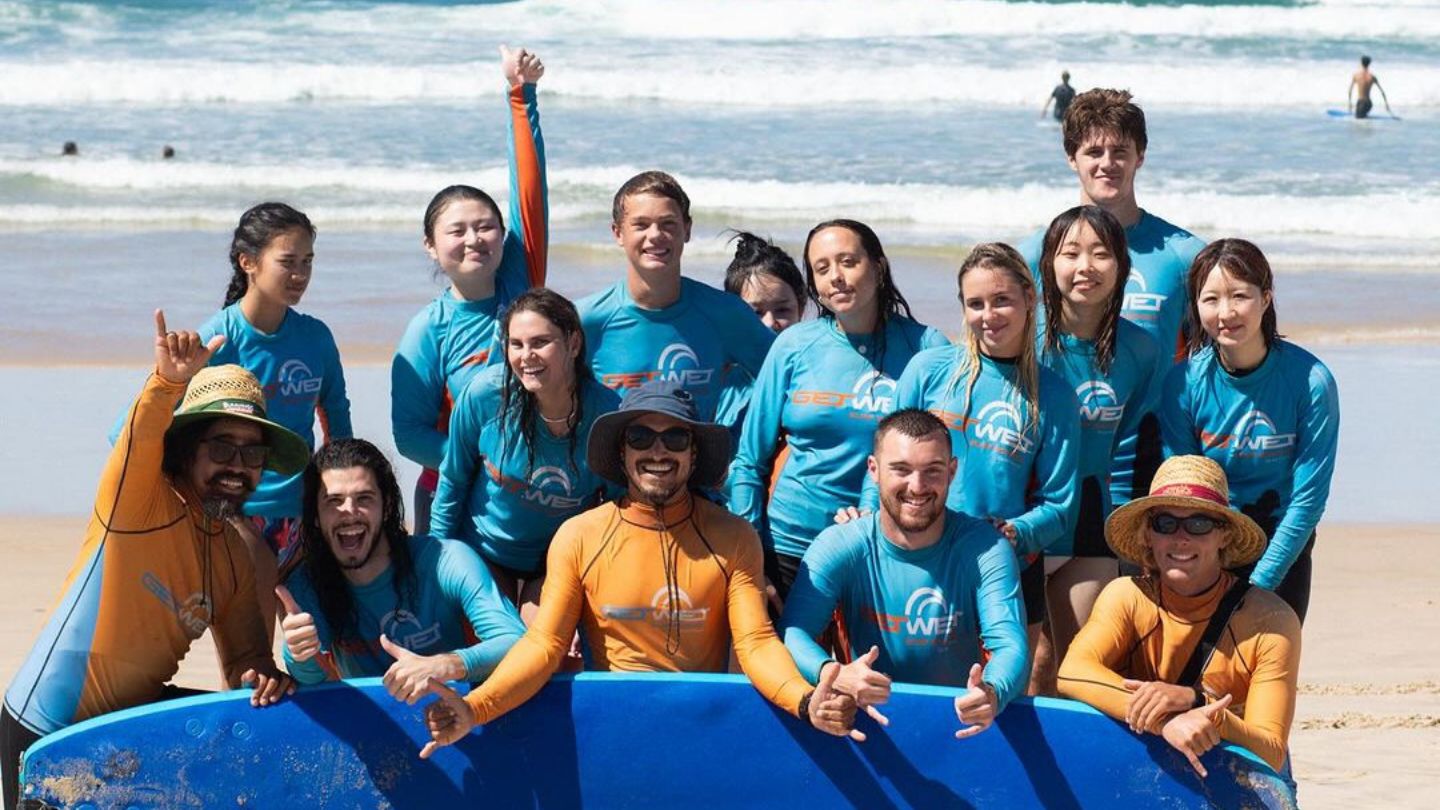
1373 116
603 740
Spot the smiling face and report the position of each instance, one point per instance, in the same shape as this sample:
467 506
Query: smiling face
1231 311
1106 163
914 476
1085 269
350 513
657 475
224 486
772 300
997 310
280 273
539 353
467 241
845 276
1187 563
653 233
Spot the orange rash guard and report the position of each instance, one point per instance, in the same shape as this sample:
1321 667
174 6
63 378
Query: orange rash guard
1257 660
607 572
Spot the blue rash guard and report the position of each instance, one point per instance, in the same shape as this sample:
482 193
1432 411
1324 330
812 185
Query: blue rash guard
455 602
694 341
299 368
928 610
1155 300
491 496
1111 403
1274 430
1008 468
450 339
807 434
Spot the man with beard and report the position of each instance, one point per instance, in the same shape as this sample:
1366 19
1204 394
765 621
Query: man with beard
660 580
161 561
920 589
371 599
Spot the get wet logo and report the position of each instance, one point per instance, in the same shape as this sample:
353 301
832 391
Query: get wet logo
677 362
999 427
1100 409
660 610
929 619
549 488
404 628
872 396
294 382
1255 436
1141 304
193 613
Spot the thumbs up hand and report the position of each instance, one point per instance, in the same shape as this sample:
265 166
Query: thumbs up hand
408 679
447 719
870 688
833 712
302 640
1194 732
977 706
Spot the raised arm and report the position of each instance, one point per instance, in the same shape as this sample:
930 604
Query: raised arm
529 188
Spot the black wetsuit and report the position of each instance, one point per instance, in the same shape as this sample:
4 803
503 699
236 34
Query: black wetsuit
1063 95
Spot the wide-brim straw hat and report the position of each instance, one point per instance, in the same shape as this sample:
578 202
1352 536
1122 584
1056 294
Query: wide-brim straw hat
667 398
231 391
1192 484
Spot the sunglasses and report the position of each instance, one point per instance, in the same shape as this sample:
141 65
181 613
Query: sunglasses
675 439
251 455
1166 523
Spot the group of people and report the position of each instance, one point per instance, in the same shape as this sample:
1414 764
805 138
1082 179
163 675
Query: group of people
1106 485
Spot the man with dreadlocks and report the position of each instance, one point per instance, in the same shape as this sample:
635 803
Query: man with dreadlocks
371 599
659 580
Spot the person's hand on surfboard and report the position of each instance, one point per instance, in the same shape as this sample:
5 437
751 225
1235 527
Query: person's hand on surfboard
447 719
833 712
520 66
978 706
180 355
269 685
408 679
302 639
1151 703
1194 732
869 688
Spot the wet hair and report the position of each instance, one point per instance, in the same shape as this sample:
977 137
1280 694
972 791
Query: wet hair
1000 257
450 194
180 446
889 303
653 182
1364 61
258 226
517 405
1242 261
756 256
917 423
1112 236
1105 111
337 604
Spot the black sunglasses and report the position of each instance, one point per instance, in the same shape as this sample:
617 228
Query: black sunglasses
251 455
675 439
1166 523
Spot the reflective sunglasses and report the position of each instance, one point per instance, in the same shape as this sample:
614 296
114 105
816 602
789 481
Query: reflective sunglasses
251 455
675 439
1166 523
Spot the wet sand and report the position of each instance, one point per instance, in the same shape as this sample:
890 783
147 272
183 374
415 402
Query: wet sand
1367 728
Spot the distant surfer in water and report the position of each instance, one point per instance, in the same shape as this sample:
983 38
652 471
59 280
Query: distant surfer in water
1062 95
70 149
660 580
162 561
1357 97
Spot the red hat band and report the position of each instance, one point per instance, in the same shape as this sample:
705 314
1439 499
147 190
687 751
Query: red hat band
1191 491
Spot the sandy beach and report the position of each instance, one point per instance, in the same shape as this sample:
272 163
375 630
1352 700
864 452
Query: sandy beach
1367 729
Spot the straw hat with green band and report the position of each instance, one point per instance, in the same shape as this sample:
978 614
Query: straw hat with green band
1191 484
232 391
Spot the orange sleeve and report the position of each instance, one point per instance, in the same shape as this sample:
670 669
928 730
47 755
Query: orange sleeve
240 638
1088 673
132 481
1270 701
535 657
762 655
530 182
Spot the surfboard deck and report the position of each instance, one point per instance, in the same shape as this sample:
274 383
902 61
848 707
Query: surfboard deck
603 740
1373 116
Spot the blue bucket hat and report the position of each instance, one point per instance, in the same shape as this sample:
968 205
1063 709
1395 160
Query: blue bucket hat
667 398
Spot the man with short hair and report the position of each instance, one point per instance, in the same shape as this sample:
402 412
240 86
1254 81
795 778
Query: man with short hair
658 324
922 588
1189 651
1062 95
1357 96
161 561
371 599
660 580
